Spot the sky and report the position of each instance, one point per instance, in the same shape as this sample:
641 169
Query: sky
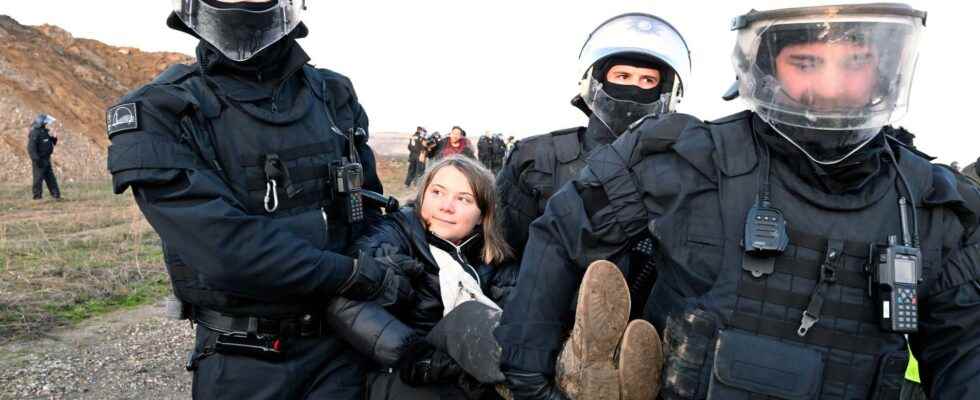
510 66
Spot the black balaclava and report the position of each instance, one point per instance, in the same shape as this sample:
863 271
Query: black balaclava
629 92
852 175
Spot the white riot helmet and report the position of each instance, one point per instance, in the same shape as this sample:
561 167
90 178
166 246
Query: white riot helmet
240 30
634 35
827 78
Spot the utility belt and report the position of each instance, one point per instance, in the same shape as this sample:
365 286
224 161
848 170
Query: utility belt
307 325
252 336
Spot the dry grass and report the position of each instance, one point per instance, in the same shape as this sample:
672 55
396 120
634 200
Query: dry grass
61 262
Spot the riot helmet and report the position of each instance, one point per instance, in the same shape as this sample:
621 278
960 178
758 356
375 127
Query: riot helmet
635 39
43 120
827 78
239 30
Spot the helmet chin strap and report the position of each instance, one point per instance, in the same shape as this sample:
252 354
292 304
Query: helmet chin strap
808 155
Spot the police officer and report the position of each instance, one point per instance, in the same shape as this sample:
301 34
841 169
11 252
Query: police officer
498 151
484 149
248 166
416 165
40 145
631 65
765 223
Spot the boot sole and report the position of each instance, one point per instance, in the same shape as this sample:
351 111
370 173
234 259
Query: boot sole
641 361
601 315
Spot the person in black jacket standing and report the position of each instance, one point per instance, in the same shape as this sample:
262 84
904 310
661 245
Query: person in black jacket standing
484 150
250 166
40 145
416 165
498 151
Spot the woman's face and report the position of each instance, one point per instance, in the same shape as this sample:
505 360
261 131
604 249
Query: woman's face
455 135
449 207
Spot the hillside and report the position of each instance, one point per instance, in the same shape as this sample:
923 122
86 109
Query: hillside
46 69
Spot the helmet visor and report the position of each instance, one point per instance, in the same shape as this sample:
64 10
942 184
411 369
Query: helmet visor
239 32
619 114
828 71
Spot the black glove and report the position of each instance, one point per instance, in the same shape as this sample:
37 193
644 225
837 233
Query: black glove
532 386
384 279
424 365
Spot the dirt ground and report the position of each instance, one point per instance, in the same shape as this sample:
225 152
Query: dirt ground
129 354
59 338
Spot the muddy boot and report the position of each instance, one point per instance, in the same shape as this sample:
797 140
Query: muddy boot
587 364
641 361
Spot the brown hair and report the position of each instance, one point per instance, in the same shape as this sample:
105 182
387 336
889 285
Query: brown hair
495 248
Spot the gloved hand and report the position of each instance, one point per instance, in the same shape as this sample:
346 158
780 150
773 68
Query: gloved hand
383 279
532 386
424 365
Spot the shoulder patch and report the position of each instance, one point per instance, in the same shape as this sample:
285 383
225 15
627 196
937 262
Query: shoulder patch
122 118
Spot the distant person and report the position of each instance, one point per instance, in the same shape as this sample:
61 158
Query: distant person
498 149
416 160
456 143
510 146
484 150
40 145
430 143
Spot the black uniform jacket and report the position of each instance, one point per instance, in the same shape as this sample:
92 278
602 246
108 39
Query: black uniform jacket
40 144
191 184
651 181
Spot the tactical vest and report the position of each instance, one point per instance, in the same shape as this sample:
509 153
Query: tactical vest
556 161
250 148
741 338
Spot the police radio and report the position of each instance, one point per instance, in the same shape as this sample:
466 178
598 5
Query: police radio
347 180
894 277
765 235
894 272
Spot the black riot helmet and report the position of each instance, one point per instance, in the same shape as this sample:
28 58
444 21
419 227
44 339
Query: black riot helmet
640 40
827 78
239 30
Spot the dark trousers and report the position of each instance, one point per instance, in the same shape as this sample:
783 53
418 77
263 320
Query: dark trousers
415 169
310 368
43 172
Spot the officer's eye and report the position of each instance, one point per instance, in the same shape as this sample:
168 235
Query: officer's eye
804 63
858 61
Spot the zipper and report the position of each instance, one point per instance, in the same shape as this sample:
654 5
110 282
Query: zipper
462 261
326 226
278 90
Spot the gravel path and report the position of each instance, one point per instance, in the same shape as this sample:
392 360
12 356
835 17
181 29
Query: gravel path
130 354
